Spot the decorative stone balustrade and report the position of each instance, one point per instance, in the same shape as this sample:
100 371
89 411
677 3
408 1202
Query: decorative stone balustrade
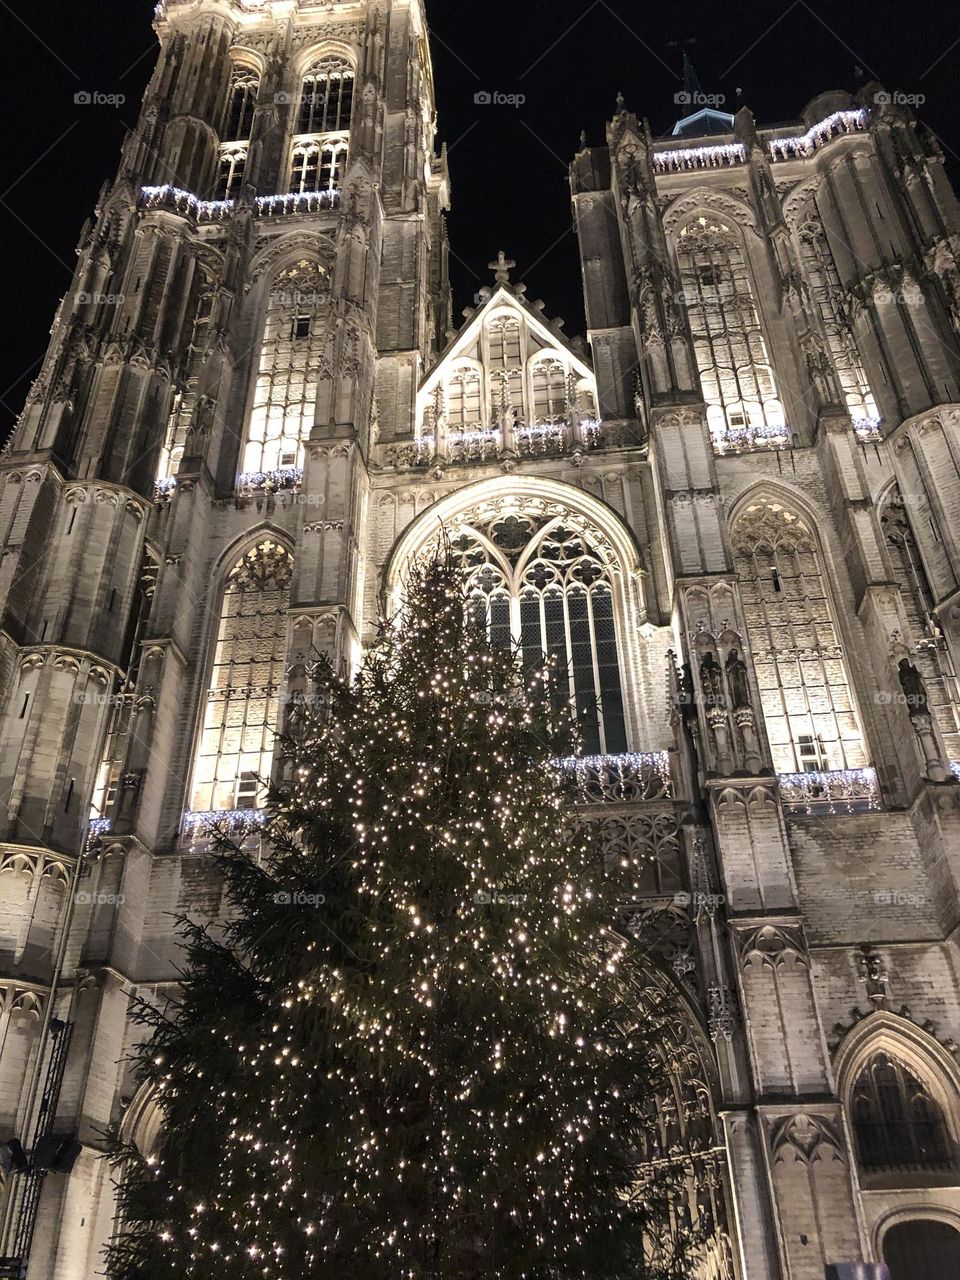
868 429
749 439
297 202
478 444
269 481
636 775
680 159
617 779
188 205
185 203
197 823
805 144
837 791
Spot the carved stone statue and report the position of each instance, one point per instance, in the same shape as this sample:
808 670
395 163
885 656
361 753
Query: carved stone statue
686 694
736 670
711 681
914 690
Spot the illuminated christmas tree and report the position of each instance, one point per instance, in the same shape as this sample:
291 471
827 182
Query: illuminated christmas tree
416 1052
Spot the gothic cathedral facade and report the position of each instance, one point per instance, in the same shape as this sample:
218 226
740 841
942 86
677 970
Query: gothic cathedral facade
735 514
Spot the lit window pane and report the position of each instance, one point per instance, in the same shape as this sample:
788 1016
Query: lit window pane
235 751
801 669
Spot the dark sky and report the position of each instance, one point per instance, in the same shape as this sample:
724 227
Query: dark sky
567 57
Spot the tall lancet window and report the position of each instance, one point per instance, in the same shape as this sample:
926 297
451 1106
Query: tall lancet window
824 281
285 394
323 127
736 373
549 379
549 583
464 399
240 716
238 125
800 662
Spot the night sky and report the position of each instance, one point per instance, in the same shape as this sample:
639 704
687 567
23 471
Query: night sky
568 58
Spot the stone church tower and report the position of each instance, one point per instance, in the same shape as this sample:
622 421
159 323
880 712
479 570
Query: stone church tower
736 518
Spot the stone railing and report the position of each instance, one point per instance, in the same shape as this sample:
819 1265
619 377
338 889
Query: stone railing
269 481
185 203
198 824
188 205
805 144
681 159
477 444
636 775
297 202
868 429
749 439
836 791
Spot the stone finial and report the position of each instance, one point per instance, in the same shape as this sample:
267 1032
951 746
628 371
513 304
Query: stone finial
502 268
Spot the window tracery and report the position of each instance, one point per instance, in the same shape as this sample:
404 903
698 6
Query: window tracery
464 399
233 164
549 384
503 342
546 582
736 373
319 156
238 126
897 1124
244 91
241 711
798 655
285 392
827 291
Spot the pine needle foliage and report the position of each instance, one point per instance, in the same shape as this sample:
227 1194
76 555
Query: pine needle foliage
415 1051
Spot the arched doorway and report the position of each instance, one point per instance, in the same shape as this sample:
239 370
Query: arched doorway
922 1247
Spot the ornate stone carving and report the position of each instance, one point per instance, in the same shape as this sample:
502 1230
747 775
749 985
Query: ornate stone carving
772 946
806 1137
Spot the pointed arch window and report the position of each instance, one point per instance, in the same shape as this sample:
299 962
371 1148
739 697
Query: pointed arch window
827 291
898 1125
736 374
233 164
549 390
326 99
318 166
235 752
244 91
285 393
800 661
549 583
464 399
503 342
238 125
319 157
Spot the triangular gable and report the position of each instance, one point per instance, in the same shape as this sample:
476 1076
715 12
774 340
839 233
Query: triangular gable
466 345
